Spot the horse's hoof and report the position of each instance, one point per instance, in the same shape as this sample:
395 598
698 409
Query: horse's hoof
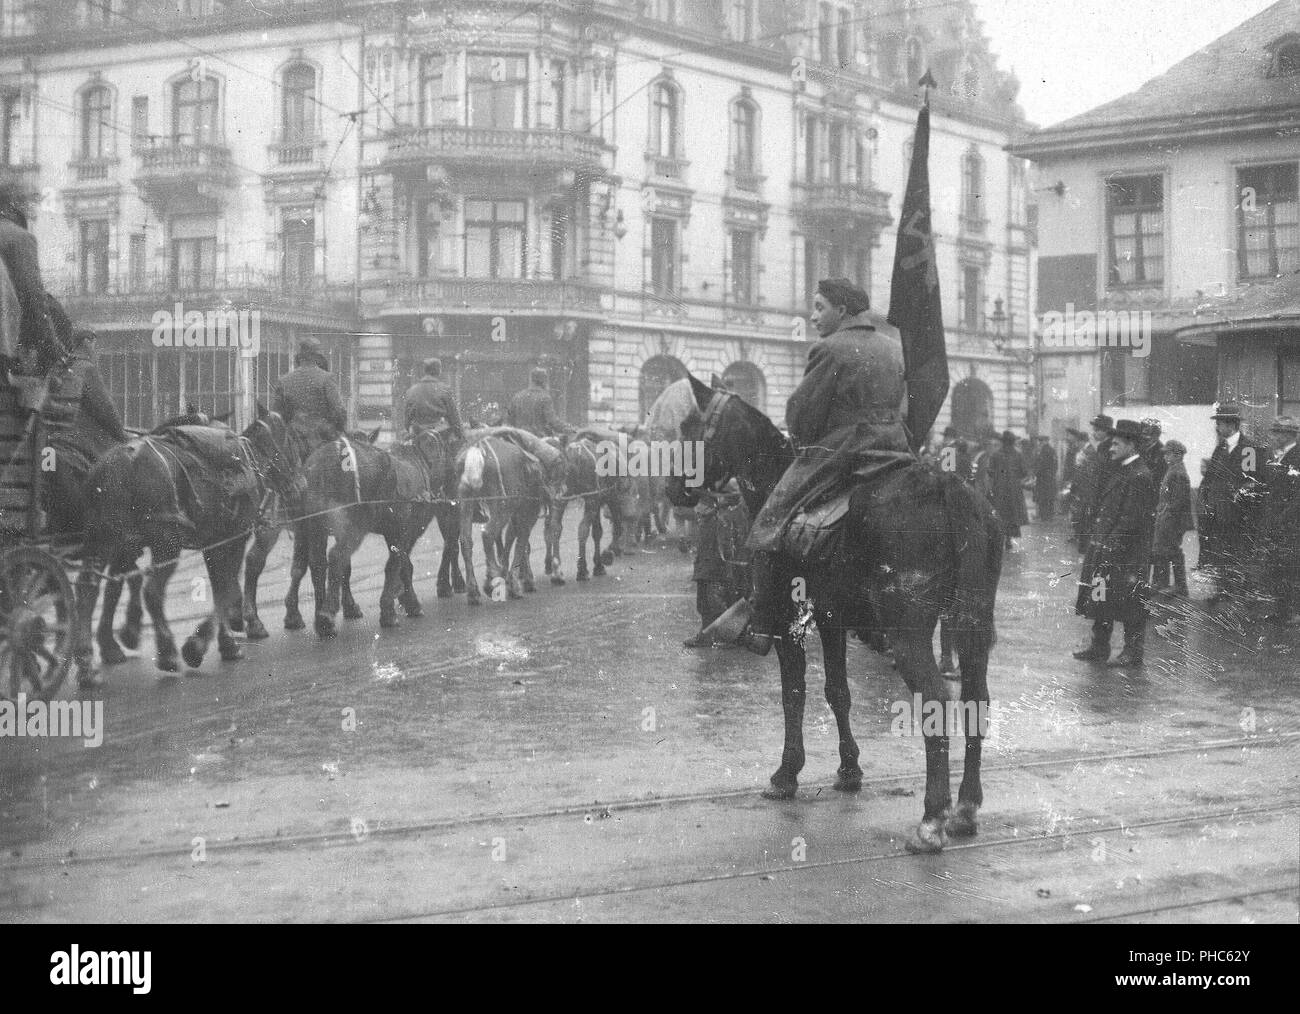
353 612
529 586
413 610
848 781
444 591
781 791
557 580
388 620
458 587
607 557
236 624
88 677
193 651
324 626
256 630
235 654
293 621
928 838
475 600
129 636
168 662
598 570
961 822
111 654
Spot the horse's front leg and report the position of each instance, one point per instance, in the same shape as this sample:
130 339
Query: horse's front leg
264 540
163 557
794 694
303 534
554 531
914 655
392 580
129 632
318 564
973 653
584 531
110 652
849 776
87 594
597 533
473 596
351 611
522 569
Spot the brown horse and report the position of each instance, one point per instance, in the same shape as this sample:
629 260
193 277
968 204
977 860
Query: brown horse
182 489
354 489
920 545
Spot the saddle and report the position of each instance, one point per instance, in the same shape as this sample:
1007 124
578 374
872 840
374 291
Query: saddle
222 450
815 535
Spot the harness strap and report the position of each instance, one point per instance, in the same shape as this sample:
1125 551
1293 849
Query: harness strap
713 413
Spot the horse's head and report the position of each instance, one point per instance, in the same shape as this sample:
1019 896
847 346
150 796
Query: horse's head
738 442
276 453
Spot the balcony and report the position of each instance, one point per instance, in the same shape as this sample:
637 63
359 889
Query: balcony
25 176
302 154
499 148
488 295
91 170
185 176
666 168
132 302
836 202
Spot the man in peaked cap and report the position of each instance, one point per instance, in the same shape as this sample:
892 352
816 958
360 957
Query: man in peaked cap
309 400
1229 501
1113 583
532 408
1280 533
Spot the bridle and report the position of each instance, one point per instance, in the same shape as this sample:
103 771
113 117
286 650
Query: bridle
264 477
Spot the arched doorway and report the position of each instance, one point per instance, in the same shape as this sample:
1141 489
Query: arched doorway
972 407
746 380
658 372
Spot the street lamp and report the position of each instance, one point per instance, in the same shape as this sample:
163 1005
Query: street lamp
999 320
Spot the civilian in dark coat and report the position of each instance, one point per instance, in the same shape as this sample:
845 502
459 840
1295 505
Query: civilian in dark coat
1113 584
1231 495
1045 466
1280 532
1006 474
1153 456
954 455
1089 481
18 251
1173 519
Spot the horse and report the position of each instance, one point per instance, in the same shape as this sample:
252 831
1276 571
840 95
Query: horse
355 488
171 491
922 544
282 515
581 482
501 479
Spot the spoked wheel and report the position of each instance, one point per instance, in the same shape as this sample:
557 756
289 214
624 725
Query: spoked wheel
37 609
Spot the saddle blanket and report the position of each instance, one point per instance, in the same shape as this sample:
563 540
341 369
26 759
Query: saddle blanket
534 446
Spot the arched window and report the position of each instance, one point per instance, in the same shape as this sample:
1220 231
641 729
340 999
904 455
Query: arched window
746 380
298 103
194 111
744 136
96 122
915 61
972 186
664 113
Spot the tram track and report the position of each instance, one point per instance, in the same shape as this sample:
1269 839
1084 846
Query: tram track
379 829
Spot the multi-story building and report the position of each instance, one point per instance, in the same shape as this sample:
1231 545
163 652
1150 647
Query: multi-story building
620 191
1173 210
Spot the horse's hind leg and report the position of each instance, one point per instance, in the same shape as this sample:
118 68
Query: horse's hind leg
264 540
303 533
472 593
87 594
110 652
163 558
794 694
584 531
555 530
318 563
351 611
914 655
521 572
129 632
849 776
973 653
448 559
392 583
597 533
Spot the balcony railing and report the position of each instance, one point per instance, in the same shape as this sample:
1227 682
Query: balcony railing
88 170
185 158
294 152
478 145
666 167
838 200
127 300
431 295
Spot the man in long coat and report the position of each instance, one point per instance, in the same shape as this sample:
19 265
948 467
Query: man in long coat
1045 466
1113 583
1005 476
35 339
1094 465
1173 520
309 400
847 417
1281 523
1231 493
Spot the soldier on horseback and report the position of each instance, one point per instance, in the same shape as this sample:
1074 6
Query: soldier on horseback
533 410
847 418
309 401
430 403
38 348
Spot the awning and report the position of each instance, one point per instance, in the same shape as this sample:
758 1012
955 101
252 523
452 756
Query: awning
1269 305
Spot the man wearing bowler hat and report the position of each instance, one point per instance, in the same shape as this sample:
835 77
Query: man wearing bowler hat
1280 533
1228 504
1113 583
309 399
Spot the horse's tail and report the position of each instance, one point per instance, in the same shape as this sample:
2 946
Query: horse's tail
977 542
471 476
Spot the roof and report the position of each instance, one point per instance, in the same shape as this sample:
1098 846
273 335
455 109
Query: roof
1227 78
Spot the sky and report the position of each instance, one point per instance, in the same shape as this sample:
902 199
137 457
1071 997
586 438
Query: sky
1072 55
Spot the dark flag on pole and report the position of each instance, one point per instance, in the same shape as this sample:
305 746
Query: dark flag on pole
914 306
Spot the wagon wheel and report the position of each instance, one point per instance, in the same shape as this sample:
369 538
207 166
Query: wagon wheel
37 610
